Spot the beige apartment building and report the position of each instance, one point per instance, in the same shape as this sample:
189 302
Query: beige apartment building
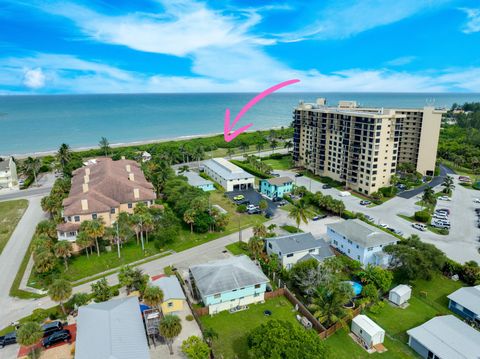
363 146
103 189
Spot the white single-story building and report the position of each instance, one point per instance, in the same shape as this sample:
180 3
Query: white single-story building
195 180
228 175
445 337
367 331
400 294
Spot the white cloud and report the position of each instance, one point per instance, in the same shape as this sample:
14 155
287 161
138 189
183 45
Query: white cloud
34 78
473 23
400 61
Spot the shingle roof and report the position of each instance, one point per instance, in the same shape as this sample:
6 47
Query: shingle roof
362 233
170 287
112 330
226 274
194 179
226 169
448 337
468 297
279 181
109 185
297 242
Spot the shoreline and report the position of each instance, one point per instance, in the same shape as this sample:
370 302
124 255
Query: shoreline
128 144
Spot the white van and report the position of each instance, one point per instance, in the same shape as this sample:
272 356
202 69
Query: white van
420 226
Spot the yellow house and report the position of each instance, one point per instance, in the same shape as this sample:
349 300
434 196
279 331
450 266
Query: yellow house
173 296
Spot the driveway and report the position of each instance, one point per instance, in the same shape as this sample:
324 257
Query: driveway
433 183
253 197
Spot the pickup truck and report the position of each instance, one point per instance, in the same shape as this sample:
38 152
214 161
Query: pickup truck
9 338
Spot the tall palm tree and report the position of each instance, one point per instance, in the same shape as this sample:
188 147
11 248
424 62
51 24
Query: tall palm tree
183 169
63 249
230 152
288 144
244 147
170 327
328 301
64 155
429 196
209 334
29 334
153 296
189 218
448 185
273 145
95 229
256 245
84 241
260 231
104 145
31 166
259 146
299 213
60 291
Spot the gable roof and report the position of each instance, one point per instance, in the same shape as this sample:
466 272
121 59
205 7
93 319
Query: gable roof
401 289
112 330
194 179
170 287
225 275
297 242
226 169
108 185
362 233
367 325
468 297
448 337
278 181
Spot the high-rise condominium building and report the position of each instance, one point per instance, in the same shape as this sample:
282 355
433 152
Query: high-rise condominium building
363 146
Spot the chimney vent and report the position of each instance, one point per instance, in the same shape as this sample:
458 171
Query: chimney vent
84 205
131 177
87 171
128 168
86 179
85 187
136 193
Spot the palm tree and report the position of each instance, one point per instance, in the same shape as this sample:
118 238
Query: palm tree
448 185
209 334
104 145
260 231
64 155
29 334
288 144
271 227
63 249
273 145
189 218
244 147
84 241
256 246
328 301
153 296
170 327
31 166
183 169
48 228
299 213
95 229
429 196
230 152
259 146
60 291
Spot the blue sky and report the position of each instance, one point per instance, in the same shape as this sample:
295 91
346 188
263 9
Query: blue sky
121 46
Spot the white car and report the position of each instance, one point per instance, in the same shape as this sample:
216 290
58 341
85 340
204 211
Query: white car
251 207
444 198
476 200
420 226
383 225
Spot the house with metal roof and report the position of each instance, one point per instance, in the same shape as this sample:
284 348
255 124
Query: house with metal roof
276 187
466 303
296 247
173 296
228 175
228 283
445 337
360 241
112 329
195 180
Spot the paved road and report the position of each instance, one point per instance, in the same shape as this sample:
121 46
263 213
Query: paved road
45 183
433 183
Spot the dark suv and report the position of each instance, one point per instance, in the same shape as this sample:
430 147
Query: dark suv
50 328
60 336
7 339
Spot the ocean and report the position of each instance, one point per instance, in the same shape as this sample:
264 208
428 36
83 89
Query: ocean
30 124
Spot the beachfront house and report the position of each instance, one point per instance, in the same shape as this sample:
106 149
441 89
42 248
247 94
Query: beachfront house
112 329
360 241
8 174
296 247
445 337
228 175
228 283
276 187
103 189
466 303
195 180
368 333
173 296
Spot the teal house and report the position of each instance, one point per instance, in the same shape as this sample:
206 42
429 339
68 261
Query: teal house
228 284
276 187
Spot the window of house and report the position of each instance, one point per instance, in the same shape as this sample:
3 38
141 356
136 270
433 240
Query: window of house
216 296
130 205
170 304
370 249
94 216
69 218
289 255
257 286
270 245
112 210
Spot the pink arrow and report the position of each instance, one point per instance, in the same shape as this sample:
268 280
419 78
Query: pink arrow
227 127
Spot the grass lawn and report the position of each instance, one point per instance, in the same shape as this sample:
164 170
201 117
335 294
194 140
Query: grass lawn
236 249
10 214
284 163
233 329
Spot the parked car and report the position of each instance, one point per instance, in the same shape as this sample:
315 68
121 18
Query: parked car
298 174
319 216
60 336
277 199
369 218
52 327
365 203
251 206
383 225
282 203
440 216
398 232
444 198
476 200
246 202
238 197
326 186
255 210
268 214
275 174
440 225
7 339
420 226
443 210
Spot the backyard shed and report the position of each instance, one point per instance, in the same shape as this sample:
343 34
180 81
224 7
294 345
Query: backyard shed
369 332
400 294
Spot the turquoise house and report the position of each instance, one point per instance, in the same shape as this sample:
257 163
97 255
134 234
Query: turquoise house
228 283
276 187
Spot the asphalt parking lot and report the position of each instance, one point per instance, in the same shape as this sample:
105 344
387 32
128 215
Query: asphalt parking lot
253 197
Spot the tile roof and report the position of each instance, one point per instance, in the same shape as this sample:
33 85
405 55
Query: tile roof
468 297
110 183
226 275
279 181
362 233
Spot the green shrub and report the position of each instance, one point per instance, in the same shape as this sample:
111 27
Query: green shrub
388 191
250 169
444 231
39 315
291 229
349 215
189 318
241 208
422 216
377 307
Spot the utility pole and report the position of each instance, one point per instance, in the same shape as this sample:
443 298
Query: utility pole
118 240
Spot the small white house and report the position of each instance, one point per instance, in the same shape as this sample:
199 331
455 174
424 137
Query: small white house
400 294
367 331
146 156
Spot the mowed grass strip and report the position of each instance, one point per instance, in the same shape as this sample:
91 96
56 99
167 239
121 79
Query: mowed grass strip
10 214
